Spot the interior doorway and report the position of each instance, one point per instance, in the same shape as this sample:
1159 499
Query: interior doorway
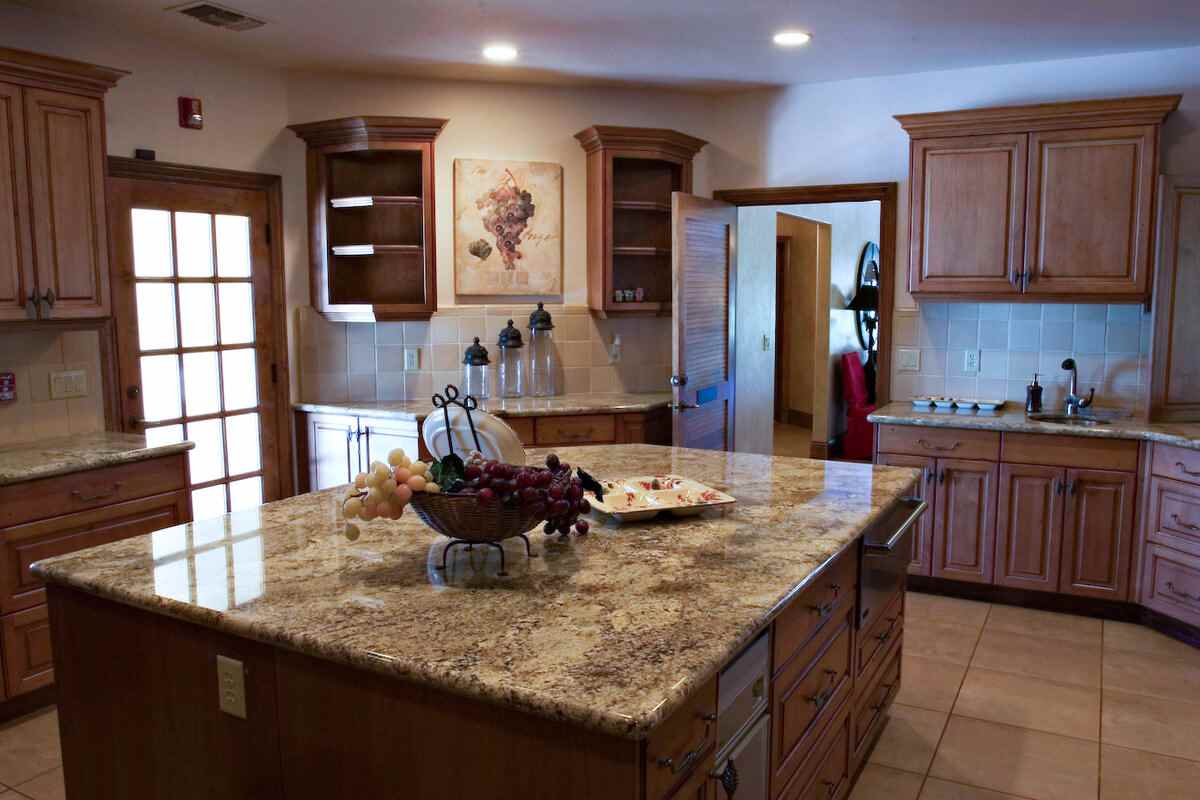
814 332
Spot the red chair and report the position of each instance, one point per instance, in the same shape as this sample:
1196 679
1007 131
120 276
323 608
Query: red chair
857 443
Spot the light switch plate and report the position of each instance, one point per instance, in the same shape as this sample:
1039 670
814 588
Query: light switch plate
909 360
412 358
971 361
231 686
68 383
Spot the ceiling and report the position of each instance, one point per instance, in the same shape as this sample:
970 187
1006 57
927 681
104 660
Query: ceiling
698 44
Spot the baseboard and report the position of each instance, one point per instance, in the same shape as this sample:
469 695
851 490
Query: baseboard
27 703
1116 610
798 418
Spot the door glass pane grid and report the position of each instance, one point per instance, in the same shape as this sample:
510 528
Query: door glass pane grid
198 266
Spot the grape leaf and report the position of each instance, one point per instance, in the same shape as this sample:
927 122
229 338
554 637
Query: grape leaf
449 469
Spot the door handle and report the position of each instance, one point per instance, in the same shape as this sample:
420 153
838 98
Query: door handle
1183 595
682 406
49 298
938 448
1183 468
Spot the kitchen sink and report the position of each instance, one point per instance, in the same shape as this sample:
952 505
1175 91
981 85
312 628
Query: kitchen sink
1063 419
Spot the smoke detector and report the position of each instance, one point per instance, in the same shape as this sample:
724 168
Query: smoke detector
219 16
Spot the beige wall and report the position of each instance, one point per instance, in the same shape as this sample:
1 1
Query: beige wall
31 356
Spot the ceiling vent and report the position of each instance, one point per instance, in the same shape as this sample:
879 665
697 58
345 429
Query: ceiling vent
219 16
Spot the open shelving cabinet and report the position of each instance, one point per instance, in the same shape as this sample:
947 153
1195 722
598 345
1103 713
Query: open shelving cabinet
631 173
371 217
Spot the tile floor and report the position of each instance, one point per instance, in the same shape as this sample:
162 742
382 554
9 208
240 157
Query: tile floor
1004 703
997 703
791 440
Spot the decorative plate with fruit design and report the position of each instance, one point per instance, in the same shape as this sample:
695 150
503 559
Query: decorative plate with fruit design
646 496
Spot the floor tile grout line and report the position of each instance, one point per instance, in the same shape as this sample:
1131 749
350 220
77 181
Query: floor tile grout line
1100 724
1024 727
1151 752
980 788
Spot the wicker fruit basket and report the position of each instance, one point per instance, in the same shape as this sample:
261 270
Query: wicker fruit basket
462 517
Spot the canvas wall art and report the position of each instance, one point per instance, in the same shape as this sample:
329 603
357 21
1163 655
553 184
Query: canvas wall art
507 227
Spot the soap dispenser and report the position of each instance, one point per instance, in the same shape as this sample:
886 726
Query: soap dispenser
1033 396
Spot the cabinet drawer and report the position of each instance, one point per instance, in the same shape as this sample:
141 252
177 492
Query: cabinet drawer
941 442
808 693
22 545
523 427
824 599
872 705
1171 584
876 639
584 429
1175 515
1069 451
25 502
1179 463
28 659
682 742
826 774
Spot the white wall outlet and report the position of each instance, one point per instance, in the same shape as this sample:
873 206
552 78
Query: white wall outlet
909 360
231 686
68 383
971 361
412 358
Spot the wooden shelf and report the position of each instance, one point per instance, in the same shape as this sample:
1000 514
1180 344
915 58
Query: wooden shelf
374 249
641 205
375 200
644 308
641 251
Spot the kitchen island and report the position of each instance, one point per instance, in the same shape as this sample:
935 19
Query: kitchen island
590 671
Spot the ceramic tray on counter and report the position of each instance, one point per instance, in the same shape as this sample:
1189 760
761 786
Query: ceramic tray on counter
645 496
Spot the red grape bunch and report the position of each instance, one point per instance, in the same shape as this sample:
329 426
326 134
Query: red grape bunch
552 494
508 209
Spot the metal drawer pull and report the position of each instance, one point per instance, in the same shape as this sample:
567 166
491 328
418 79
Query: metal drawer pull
1183 468
1184 595
684 764
919 507
883 637
1184 524
822 698
87 498
823 610
936 448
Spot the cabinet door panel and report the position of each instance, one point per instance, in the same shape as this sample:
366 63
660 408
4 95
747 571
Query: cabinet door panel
333 450
968 209
965 522
1175 380
16 247
28 657
1098 539
923 538
66 178
1087 228
1029 526
380 437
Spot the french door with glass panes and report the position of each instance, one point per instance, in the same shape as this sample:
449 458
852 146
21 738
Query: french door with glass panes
194 306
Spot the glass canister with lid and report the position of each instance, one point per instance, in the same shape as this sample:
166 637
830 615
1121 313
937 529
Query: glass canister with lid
543 358
475 371
511 377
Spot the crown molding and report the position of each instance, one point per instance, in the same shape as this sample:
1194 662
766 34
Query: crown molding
655 140
352 130
59 74
1149 110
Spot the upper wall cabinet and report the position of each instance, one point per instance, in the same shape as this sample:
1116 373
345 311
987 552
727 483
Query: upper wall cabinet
371 217
631 173
1048 202
53 224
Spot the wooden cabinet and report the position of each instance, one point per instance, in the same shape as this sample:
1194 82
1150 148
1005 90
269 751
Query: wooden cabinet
381 436
683 742
922 556
964 533
53 224
1029 526
968 196
331 442
1175 350
631 174
371 217
1035 203
1169 543
102 505
1097 534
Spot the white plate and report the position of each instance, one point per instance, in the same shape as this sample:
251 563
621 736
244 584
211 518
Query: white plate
496 439
922 402
944 402
990 405
636 498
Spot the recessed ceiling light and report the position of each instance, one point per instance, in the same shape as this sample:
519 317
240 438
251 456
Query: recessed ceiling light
500 51
792 38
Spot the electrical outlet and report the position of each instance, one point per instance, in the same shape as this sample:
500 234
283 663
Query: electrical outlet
412 358
231 686
909 360
68 383
971 361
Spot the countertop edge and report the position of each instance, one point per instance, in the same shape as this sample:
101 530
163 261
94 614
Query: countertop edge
101 462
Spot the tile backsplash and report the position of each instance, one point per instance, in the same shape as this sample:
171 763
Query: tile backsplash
342 362
1110 344
31 356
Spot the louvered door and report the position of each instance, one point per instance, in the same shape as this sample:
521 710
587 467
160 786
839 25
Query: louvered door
703 278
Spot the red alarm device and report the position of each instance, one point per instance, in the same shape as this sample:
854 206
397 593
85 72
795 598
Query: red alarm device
190 113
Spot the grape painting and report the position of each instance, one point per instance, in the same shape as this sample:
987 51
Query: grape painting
507 209
507 227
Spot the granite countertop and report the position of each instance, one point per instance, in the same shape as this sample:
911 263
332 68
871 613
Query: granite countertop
78 453
1012 418
612 630
597 403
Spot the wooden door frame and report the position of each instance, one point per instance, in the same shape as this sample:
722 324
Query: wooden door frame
886 194
781 345
272 186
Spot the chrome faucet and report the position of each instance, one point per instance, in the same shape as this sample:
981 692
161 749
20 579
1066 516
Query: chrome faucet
1074 403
